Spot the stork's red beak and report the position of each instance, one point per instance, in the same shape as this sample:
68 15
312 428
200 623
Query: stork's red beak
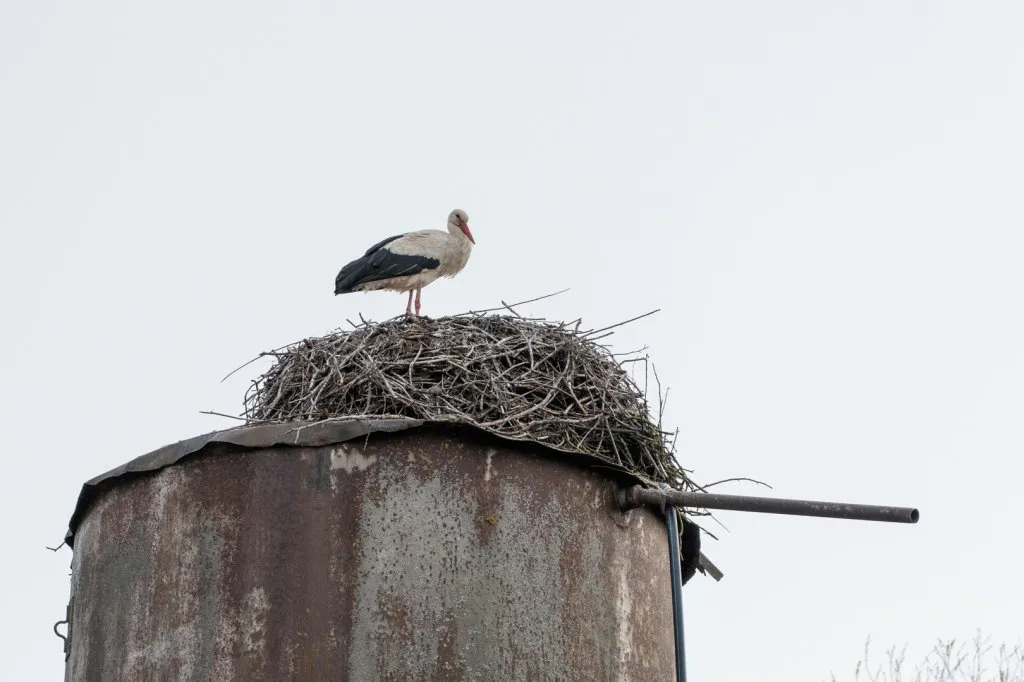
465 229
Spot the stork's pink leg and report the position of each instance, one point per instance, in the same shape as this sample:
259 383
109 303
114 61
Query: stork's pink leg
418 290
408 307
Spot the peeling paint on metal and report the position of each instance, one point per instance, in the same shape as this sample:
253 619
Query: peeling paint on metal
350 460
254 619
489 470
624 607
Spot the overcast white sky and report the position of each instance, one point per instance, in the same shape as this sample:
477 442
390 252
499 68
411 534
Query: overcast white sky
824 199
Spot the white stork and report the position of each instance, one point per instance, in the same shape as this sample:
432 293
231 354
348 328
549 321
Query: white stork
410 261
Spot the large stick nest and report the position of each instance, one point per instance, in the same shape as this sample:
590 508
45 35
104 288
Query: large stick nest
526 379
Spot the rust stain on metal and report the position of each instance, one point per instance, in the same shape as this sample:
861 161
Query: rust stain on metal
368 561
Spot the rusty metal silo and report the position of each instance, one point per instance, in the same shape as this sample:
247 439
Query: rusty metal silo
366 550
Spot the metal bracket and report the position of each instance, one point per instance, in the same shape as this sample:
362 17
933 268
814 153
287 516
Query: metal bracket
66 621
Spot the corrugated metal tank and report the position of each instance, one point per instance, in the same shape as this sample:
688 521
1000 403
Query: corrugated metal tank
426 553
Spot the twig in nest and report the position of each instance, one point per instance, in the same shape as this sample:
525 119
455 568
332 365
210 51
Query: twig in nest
735 479
221 414
261 355
632 319
513 305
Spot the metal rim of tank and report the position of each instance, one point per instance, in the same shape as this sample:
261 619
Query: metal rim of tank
299 434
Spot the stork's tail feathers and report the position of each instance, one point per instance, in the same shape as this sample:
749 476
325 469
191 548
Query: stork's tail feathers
349 276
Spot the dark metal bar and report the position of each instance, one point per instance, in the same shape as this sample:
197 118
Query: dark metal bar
676 572
637 496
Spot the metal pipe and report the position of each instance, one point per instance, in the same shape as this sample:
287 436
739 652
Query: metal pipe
637 496
676 572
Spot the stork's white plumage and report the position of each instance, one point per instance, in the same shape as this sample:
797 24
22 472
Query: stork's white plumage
410 261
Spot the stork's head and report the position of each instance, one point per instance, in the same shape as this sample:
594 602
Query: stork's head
459 219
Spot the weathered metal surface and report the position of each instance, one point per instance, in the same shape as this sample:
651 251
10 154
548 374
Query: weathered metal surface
429 554
635 496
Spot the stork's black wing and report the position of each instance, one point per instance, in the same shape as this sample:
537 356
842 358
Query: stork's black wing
378 263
